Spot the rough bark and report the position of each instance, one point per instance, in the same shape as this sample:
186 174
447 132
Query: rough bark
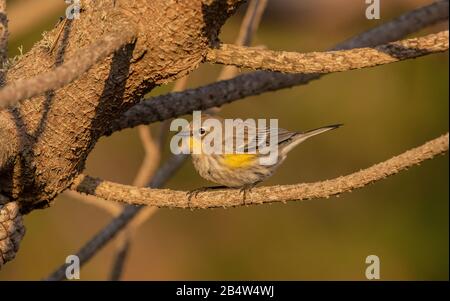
50 136
254 83
12 231
328 62
44 141
77 65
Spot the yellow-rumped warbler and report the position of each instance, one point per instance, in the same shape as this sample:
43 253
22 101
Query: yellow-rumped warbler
240 169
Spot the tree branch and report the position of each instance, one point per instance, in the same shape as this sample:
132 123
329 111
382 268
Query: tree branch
328 62
216 94
434 12
247 30
51 153
146 171
408 23
232 197
118 223
66 73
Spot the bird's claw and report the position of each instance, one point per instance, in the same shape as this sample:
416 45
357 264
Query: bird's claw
245 190
194 193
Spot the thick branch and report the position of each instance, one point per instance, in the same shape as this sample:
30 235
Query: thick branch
254 83
55 132
232 197
66 73
331 61
247 30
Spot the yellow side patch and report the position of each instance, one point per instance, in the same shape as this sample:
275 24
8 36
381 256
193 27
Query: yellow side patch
194 144
238 160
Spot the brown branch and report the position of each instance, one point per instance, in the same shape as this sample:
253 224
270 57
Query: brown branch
118 223
112 208
172 165
153 149
120 256
64 74
328 62
434 14
51 153
248 28
165 198
251 21
146 171
151 159
254 83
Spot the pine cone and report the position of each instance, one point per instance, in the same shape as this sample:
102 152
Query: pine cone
12 231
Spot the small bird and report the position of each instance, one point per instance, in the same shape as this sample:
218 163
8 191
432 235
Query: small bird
242 170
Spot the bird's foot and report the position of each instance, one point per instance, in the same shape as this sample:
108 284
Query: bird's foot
194 193
245 190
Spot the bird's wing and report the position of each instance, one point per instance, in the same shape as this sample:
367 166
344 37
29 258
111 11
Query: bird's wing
251 138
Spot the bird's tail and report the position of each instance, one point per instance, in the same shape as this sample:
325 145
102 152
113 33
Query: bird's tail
300 137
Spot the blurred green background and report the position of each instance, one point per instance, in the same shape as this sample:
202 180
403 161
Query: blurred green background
386 110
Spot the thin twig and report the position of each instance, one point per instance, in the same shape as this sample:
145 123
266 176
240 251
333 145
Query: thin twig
151 159
144 214
64 74
153 149
259 82
118 223
176 104
247 31
248 28
58 35
112 208
328 62
166 198
146 171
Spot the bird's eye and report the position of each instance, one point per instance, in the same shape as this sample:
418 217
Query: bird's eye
202 131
